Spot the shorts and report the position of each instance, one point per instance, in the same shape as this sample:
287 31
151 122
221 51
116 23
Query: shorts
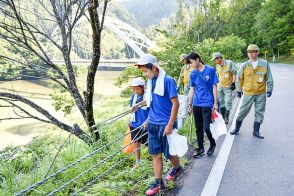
157 143
136 135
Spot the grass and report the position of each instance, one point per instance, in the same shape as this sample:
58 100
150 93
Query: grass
287 59
29 164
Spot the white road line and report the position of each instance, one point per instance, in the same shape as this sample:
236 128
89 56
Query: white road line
213 181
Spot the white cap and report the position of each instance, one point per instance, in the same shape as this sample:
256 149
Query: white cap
147 58
137 82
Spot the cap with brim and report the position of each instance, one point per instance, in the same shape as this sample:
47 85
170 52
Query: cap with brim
147 59
216 55
252 47
137 82
183 57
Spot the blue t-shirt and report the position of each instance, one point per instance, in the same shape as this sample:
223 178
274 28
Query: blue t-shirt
140 115
161 106
203 94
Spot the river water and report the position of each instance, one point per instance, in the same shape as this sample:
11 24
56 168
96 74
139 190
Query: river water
18 132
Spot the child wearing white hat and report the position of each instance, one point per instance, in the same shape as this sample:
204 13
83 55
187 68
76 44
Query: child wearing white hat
138 135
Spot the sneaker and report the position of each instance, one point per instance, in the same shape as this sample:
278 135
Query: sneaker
199 152
174 173
210 151
154 188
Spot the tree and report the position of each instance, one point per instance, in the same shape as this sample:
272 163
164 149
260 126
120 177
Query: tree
275 25
243 19
8 70
29 39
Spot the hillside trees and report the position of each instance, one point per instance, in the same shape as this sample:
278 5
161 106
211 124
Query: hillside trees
22 29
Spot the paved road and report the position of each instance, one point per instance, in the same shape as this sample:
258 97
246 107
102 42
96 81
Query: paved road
257 167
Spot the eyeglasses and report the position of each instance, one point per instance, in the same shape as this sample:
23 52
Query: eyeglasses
251 51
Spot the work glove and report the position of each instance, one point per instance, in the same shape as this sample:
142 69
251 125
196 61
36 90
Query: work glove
178 89
233 86
239 94
269 93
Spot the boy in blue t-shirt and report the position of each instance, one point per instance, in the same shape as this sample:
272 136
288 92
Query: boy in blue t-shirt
162 97
138 135
202 100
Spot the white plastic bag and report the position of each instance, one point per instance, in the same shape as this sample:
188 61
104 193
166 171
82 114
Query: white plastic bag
218 127
177 144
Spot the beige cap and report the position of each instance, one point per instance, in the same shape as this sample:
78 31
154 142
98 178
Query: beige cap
182 57
252 47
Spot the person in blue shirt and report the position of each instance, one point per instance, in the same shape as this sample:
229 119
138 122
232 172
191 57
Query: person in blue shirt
202 100
138 132
162 96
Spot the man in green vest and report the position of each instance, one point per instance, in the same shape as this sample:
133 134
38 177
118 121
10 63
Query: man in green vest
226 71
256 82
184 77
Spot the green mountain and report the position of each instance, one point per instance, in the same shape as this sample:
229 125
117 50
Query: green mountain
150 12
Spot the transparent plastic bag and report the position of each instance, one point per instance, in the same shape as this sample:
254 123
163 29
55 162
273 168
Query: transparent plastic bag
177 144
218 127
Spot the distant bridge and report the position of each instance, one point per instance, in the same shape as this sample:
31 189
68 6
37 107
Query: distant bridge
131 36
104 64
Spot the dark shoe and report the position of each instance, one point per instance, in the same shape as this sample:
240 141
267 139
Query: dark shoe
256 133
210 151
237 128
174 173
199 152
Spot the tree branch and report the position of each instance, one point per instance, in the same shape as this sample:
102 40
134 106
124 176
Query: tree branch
24 111
44 112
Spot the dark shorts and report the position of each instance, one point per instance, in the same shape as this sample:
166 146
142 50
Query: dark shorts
202 116
157 143
139 135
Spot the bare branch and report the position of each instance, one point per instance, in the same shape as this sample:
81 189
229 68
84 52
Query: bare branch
104 12
6 106
45 113
24 111
20 118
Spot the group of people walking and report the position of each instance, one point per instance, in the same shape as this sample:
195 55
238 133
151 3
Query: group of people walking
156 104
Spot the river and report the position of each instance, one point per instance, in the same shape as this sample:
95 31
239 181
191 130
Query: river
18 132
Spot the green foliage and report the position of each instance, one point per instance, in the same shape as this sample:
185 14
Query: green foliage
275 25
154 10
127 92
62 101
230 46
8 68
128 74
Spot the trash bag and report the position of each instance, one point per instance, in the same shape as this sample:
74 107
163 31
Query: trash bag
177 144
218 127
128 139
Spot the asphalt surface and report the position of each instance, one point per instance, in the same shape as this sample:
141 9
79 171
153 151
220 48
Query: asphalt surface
257 167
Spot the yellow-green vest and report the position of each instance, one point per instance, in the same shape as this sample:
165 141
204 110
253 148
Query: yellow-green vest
225 73
254 81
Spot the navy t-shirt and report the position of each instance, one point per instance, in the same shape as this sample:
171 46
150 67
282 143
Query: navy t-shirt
140 115
161 106
203 94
